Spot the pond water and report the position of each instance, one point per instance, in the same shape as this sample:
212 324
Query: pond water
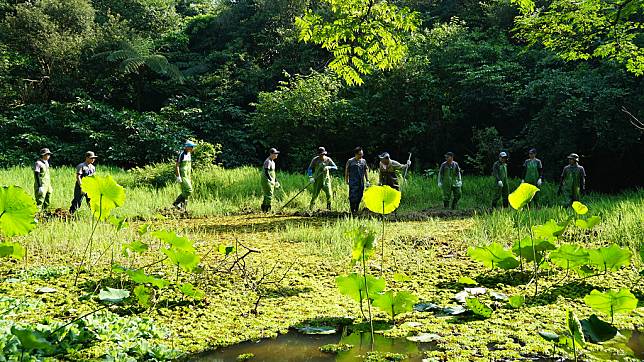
292 347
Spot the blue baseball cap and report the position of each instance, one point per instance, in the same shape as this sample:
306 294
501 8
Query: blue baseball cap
189 144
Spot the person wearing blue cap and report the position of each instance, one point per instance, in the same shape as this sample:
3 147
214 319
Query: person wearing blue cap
42 180
183 171
388 171
500 172
320 177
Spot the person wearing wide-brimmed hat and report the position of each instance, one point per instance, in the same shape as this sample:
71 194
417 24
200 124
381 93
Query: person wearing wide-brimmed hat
450 181
84 169
183 172
388 171
320 177
573 179
269 179
500 173
42 179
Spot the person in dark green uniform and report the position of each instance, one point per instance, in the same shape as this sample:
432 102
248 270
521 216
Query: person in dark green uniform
356 175
573 179
388 171
500 172
269 180
320 177
183 171
533 169
450 181
42 180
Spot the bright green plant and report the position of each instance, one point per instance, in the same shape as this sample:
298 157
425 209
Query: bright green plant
610 258
612 302
31 340
395 303
516 301
569 257
112 295
17 211
589 223
478 308
493 256
353 286
579 208
522 196
382 200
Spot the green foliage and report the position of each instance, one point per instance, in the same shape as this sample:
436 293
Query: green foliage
143 295
118 222
493 255
135 246
31 340
589 223
612 302
105 195
17 211
516 301
111 295
522 195
549 230
587 29
478 308
364 240
175 241
190 291
362 35
574 328
353 286
11 250
467 281
532 248
609 258
381 199
596 330
395 303
569 256
579 208
186 260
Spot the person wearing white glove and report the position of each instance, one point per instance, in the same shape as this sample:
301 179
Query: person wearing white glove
500 172
269 179
319 175
183 171
388 171
42 180
356 175
450 181
533 171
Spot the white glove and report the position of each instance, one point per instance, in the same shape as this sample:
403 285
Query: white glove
368 184
408 163
440 184
500 183
41 190
179 180
539 182
459 183
327 168
522 181
311 180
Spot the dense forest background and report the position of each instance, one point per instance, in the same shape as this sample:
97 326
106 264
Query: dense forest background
131 79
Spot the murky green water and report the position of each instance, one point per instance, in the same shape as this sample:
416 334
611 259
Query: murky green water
294 347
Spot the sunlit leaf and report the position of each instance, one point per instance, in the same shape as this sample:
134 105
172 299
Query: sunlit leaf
478 308
467 281
611 302
353 286
186 260
175 241
104 194
610 258
118 222
381 199
395 303
143 229
190 291
579 208
17 211
574 327
111 295
225 250
143 295
516 301
549 336
11 250
493 255
589 223
363 243
522 195
549 230
527 252
401 277
569 256
31 340
135 246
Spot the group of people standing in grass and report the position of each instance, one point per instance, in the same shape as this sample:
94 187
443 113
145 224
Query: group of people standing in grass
450 181
356 176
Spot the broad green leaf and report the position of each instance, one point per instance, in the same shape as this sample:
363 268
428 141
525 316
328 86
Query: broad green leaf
118 222
352 285
549 336
589 223
190 291
522 195
549 230
11 250
138 276
135 246
104 193
579 208
31 340
363 243
478 308
394 304
569 256
401 277
186 260
17 211
609 258
143 229
493 255
225 250
177 242
527 252
381 199
517 301
143 295
111 295
574 327
596 330
467 281
611 302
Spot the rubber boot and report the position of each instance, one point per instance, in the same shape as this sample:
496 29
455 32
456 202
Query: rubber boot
185 205
180 200
454 204
446 204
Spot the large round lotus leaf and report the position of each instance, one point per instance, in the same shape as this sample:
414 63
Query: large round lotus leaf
612 302
381 199
579 208
522 195
104 194
17 211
